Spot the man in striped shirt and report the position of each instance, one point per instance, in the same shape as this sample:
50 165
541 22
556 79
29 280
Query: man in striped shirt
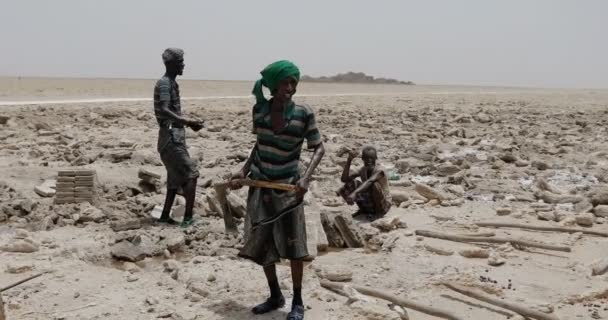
181 170
281 127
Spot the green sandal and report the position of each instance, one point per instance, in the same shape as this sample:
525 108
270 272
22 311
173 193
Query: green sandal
187 223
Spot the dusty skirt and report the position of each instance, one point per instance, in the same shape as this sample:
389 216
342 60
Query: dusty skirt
285 238
174 155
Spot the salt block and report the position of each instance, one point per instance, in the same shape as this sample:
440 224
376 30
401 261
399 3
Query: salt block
64 193
177 213
63 200
84 183
51 183
44 191
84 179
156 212
73 173
62 185
144 172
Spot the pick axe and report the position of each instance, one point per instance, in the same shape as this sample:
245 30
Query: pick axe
221 192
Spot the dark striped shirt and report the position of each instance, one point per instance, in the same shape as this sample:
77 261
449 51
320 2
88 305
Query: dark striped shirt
166 89
277 155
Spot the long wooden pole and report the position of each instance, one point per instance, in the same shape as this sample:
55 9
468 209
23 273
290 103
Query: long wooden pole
458 238
405 303
2 315
21 281
522 310
540 228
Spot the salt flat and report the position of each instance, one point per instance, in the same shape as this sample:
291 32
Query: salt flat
517 149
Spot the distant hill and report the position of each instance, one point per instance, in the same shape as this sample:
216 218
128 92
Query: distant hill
354 77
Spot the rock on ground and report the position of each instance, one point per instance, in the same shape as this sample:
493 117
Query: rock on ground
585 219
601 211
496 259
350 232
337 273
20 246
428 192
438 250
600 197
475 253
334 238
387 224
127 251
125 225
399 196
503 211
599 267
546 215
373 311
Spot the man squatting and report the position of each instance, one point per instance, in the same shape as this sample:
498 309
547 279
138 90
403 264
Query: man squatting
368 187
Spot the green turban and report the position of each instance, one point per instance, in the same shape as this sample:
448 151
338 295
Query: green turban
272 75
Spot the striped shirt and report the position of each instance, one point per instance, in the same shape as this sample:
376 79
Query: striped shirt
277 155
166 89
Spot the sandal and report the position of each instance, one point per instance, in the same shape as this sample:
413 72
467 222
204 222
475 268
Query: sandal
269 305
186 223
297 313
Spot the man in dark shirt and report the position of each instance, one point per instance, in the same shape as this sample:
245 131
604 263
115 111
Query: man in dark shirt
181 170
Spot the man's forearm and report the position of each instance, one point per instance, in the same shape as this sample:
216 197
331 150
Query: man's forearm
366 184
362 187
314 162
173 116
346 172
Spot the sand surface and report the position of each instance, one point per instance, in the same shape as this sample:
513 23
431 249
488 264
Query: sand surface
483 148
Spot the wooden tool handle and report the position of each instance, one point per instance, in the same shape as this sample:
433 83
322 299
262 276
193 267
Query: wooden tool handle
267 184
260 184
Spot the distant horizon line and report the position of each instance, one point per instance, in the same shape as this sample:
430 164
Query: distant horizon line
416 84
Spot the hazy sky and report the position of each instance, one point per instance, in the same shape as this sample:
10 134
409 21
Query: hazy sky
550 43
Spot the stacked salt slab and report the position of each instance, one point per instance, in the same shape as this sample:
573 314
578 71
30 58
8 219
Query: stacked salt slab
75 186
